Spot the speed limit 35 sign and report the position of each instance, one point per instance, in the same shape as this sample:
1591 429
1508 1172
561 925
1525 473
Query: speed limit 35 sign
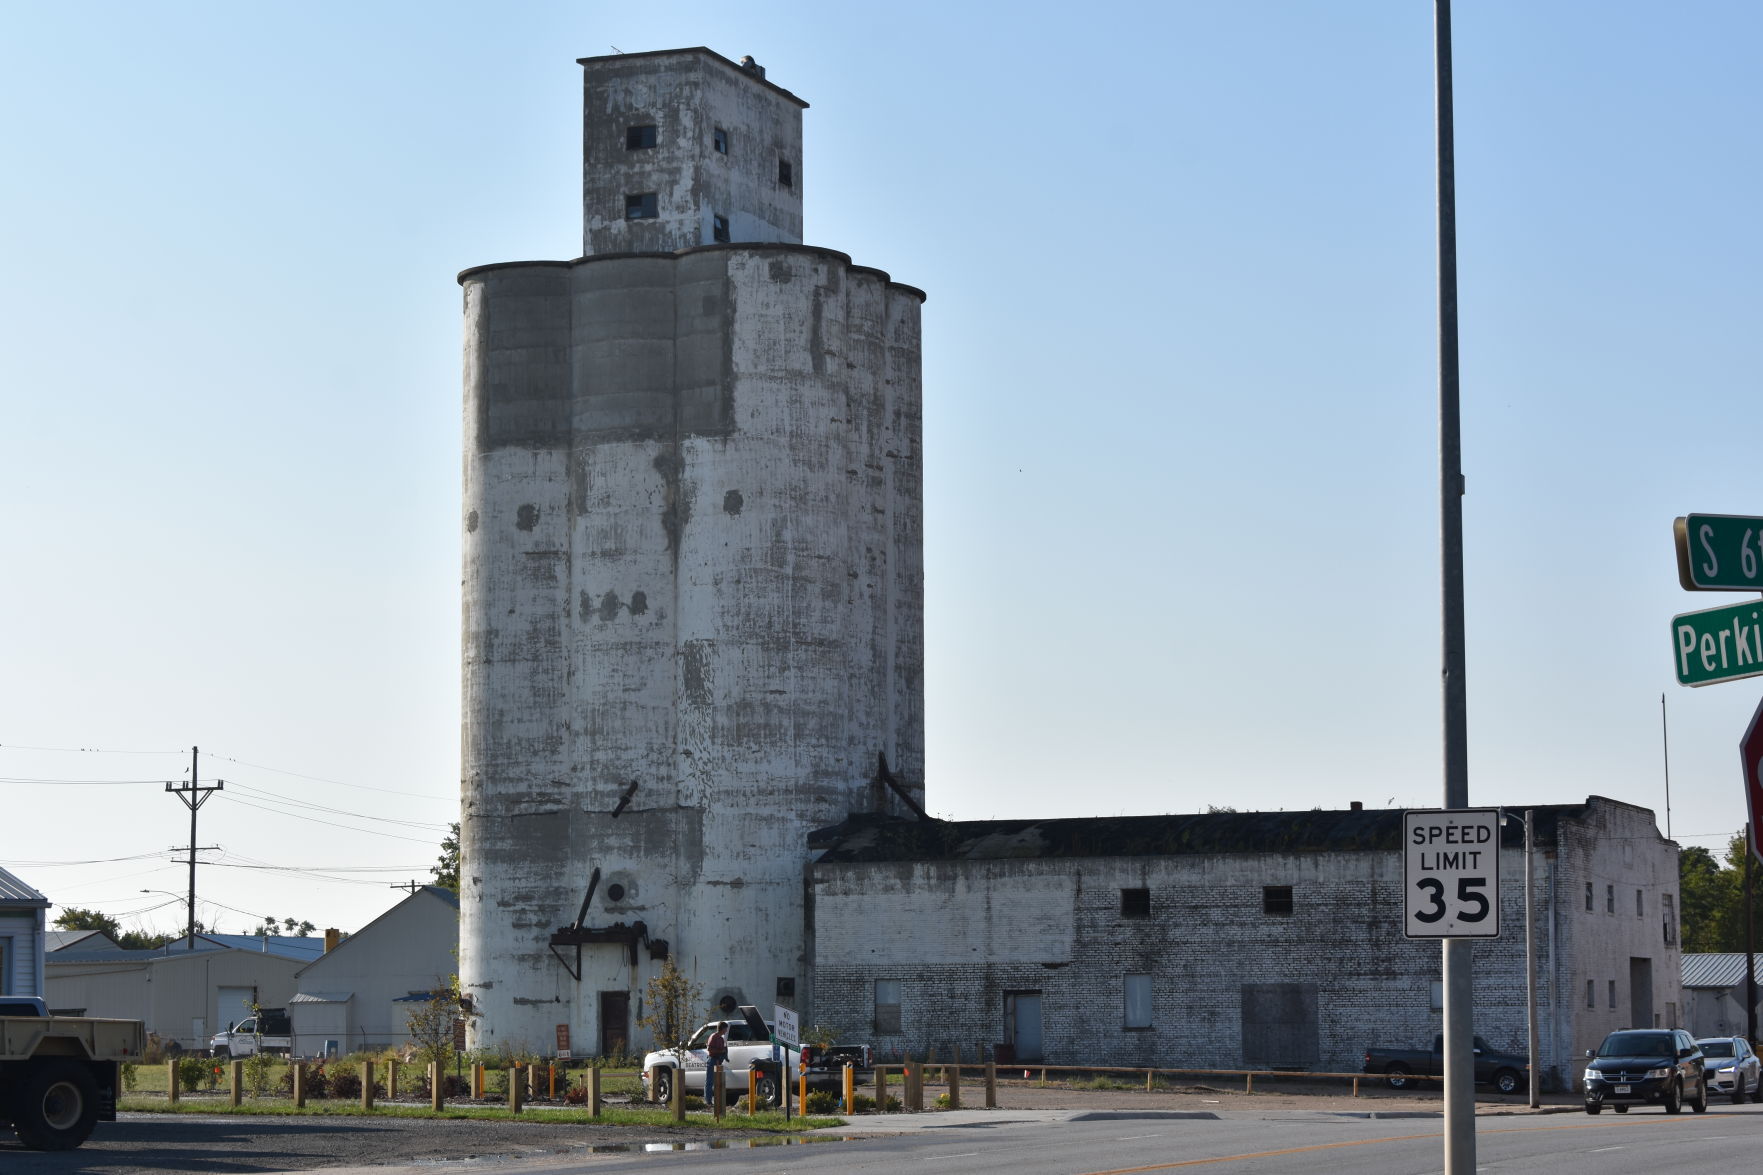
1451 873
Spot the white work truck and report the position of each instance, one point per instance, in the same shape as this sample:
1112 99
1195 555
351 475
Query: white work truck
749 1049
58 1074
268 1031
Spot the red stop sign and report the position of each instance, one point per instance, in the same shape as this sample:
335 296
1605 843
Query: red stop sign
1751 752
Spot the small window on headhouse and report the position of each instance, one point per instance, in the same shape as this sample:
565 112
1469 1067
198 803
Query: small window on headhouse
1135 903
1588 896
1609 899
887 1007
786 987
786 175
638 138
641 206
1276 899
719 229
1640 903
719 139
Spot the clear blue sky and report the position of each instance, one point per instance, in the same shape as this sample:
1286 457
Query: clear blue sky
1179 383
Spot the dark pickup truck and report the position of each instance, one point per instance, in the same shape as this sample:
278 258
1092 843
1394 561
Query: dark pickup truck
1504 1071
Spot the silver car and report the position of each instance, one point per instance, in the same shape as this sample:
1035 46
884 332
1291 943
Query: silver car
1733 1067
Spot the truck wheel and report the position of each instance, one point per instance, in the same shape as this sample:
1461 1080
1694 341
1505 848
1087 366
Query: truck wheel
664 1086
1592 1107
1620 1109
59 1107
1674 1098
767 1089
1396 1075
1508 1081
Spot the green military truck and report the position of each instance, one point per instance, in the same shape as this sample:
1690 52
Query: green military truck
58 1074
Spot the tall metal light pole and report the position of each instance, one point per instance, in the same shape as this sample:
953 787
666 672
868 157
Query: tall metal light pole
1459 1059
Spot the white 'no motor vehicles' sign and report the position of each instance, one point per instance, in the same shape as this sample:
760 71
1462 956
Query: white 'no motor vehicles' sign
1451 873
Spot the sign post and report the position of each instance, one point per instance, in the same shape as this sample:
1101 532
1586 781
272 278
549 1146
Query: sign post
1451 873
787 1031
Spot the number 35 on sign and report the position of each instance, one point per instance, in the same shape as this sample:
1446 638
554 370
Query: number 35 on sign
1451 873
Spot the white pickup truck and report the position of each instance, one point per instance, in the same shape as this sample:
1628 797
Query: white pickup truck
58 1074
269 1030
749 1045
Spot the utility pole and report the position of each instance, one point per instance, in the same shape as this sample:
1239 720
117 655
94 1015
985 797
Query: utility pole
193 795
1459 1059
1750 947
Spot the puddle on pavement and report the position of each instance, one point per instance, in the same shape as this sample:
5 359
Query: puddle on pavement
712 1144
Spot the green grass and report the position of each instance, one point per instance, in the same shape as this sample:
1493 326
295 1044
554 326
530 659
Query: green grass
609 1115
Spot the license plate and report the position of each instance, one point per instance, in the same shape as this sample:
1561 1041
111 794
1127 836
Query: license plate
1625 1089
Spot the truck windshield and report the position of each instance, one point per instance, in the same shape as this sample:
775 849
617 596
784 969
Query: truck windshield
1638 1044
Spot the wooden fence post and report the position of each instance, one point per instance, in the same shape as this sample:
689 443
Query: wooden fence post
718 1092
437 1086
367 1085
236 1082
392 1079
171 1081
514 1100
954 1076
881 1090
594 1091
991 1085
678 1089
299 1084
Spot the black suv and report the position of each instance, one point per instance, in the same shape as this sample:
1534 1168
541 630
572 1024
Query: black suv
1646 1066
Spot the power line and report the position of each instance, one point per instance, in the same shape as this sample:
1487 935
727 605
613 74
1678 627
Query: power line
332 823
83 750
323 779
335 811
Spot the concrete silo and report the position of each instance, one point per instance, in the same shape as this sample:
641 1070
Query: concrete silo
693 573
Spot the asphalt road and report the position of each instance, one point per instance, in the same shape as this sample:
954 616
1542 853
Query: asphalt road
1381 1138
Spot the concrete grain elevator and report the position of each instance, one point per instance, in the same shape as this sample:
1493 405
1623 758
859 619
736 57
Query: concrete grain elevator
692 574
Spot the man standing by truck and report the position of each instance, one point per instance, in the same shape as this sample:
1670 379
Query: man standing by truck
715 1056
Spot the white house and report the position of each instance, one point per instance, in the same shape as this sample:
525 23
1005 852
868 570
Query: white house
358 995
22 911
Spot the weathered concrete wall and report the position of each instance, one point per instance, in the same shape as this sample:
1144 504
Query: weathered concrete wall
692 562
958 934
687 95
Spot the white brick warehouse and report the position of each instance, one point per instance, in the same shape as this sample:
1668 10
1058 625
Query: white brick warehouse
1231 940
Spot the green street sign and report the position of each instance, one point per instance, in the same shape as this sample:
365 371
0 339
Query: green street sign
1718 644
1719 553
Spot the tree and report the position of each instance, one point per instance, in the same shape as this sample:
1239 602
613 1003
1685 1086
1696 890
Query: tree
288 926
75 918
445 870
1712 894
431 1023
673 1001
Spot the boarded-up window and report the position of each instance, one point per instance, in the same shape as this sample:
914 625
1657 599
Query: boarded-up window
1280 1025
1276 899
1137 1001
1135 903
887 1007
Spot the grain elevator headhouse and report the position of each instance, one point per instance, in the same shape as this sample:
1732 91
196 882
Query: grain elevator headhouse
693 575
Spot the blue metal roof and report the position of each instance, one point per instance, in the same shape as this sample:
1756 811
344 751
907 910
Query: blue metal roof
14 892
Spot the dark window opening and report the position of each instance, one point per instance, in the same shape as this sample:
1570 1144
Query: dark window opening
615 892
642 206
1276 899
638 138
719 229
719 138
786 175
887 1007
1588 896
786 987
1135 903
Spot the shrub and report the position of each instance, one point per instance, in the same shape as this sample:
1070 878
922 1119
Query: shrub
193 1071
942 1102
318 1082
128 1076
821 1101
257 1067
862 1104
451 1086
576 1095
